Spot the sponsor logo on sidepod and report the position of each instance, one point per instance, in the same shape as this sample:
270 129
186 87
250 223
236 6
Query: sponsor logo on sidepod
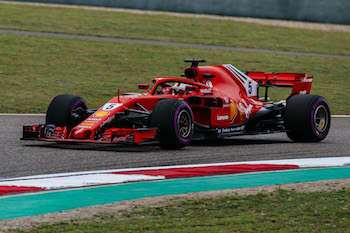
222 118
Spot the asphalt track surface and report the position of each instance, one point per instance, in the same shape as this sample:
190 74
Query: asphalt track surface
24 158
163 43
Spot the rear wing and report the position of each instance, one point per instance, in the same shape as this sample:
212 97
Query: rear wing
300 83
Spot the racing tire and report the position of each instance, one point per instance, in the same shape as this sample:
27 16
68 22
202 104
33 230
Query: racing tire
66 110
307 118
174 120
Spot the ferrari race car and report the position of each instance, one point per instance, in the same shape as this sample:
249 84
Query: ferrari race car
209 102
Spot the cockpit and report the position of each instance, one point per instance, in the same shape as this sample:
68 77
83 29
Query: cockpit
174 88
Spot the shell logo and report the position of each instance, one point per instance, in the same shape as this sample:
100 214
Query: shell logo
233 112
101 113
87 124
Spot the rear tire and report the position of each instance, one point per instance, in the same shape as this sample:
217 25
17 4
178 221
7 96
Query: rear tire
307 118
66 110
174 120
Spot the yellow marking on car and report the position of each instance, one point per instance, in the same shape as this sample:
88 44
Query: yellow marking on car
101 113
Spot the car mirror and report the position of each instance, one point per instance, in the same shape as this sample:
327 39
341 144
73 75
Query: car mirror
144 87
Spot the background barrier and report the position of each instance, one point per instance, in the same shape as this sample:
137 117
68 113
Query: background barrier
325 11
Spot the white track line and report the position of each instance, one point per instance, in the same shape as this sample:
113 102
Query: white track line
22 114
80 181
340 116
103 177
303 163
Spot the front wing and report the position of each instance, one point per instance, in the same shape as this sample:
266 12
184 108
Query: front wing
52 133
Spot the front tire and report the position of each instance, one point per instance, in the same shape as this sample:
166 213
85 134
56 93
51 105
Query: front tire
307 118
174 120
66 110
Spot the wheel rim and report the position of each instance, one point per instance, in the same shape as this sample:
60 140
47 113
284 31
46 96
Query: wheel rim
184 124
77 112
321 119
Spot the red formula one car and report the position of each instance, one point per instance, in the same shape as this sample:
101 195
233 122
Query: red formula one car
210 102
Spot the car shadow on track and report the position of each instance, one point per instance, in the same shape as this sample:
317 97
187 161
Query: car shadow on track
238 142
154 147
95 147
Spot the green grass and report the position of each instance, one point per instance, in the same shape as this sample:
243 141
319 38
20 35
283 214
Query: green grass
33 70
172 28
281 211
